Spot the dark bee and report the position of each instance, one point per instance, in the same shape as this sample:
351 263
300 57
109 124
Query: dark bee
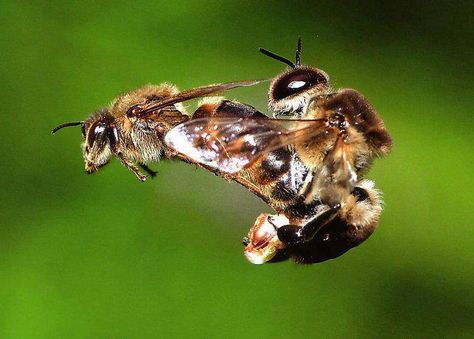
307 162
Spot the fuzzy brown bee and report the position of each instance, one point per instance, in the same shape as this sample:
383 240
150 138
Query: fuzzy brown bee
133 126
308 166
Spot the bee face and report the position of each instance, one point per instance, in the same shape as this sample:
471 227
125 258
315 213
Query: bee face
96 146
296 81
291 91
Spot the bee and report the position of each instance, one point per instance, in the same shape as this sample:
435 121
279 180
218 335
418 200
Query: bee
307 162
132 127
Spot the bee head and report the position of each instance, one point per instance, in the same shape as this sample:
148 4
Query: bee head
98 139
291 91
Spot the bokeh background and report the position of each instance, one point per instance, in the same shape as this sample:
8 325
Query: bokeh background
107 256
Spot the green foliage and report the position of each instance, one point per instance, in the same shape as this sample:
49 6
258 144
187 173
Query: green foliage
107 256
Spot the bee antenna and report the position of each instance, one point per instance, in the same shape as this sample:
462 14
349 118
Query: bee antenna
298 53
277 57
67 124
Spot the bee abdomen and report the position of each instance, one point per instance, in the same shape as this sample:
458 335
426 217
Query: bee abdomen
283 192
300 209
275 165
332 241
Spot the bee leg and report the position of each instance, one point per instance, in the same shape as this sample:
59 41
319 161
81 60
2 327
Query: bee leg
127 163
293 234
149 171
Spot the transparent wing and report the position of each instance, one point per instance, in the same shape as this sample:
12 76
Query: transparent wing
341 161
196 93
232 144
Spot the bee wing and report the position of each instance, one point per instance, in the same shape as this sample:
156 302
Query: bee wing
337 176
343 160
232 144
197 93
338 164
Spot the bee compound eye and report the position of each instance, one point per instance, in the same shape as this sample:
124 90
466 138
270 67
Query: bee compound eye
288 88
297 84
99 129
296 81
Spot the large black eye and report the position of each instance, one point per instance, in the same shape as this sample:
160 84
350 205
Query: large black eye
96 131
297 81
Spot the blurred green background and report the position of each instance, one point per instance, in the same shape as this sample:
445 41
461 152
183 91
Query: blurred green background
107 256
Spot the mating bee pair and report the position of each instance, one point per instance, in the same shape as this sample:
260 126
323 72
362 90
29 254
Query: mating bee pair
307 162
